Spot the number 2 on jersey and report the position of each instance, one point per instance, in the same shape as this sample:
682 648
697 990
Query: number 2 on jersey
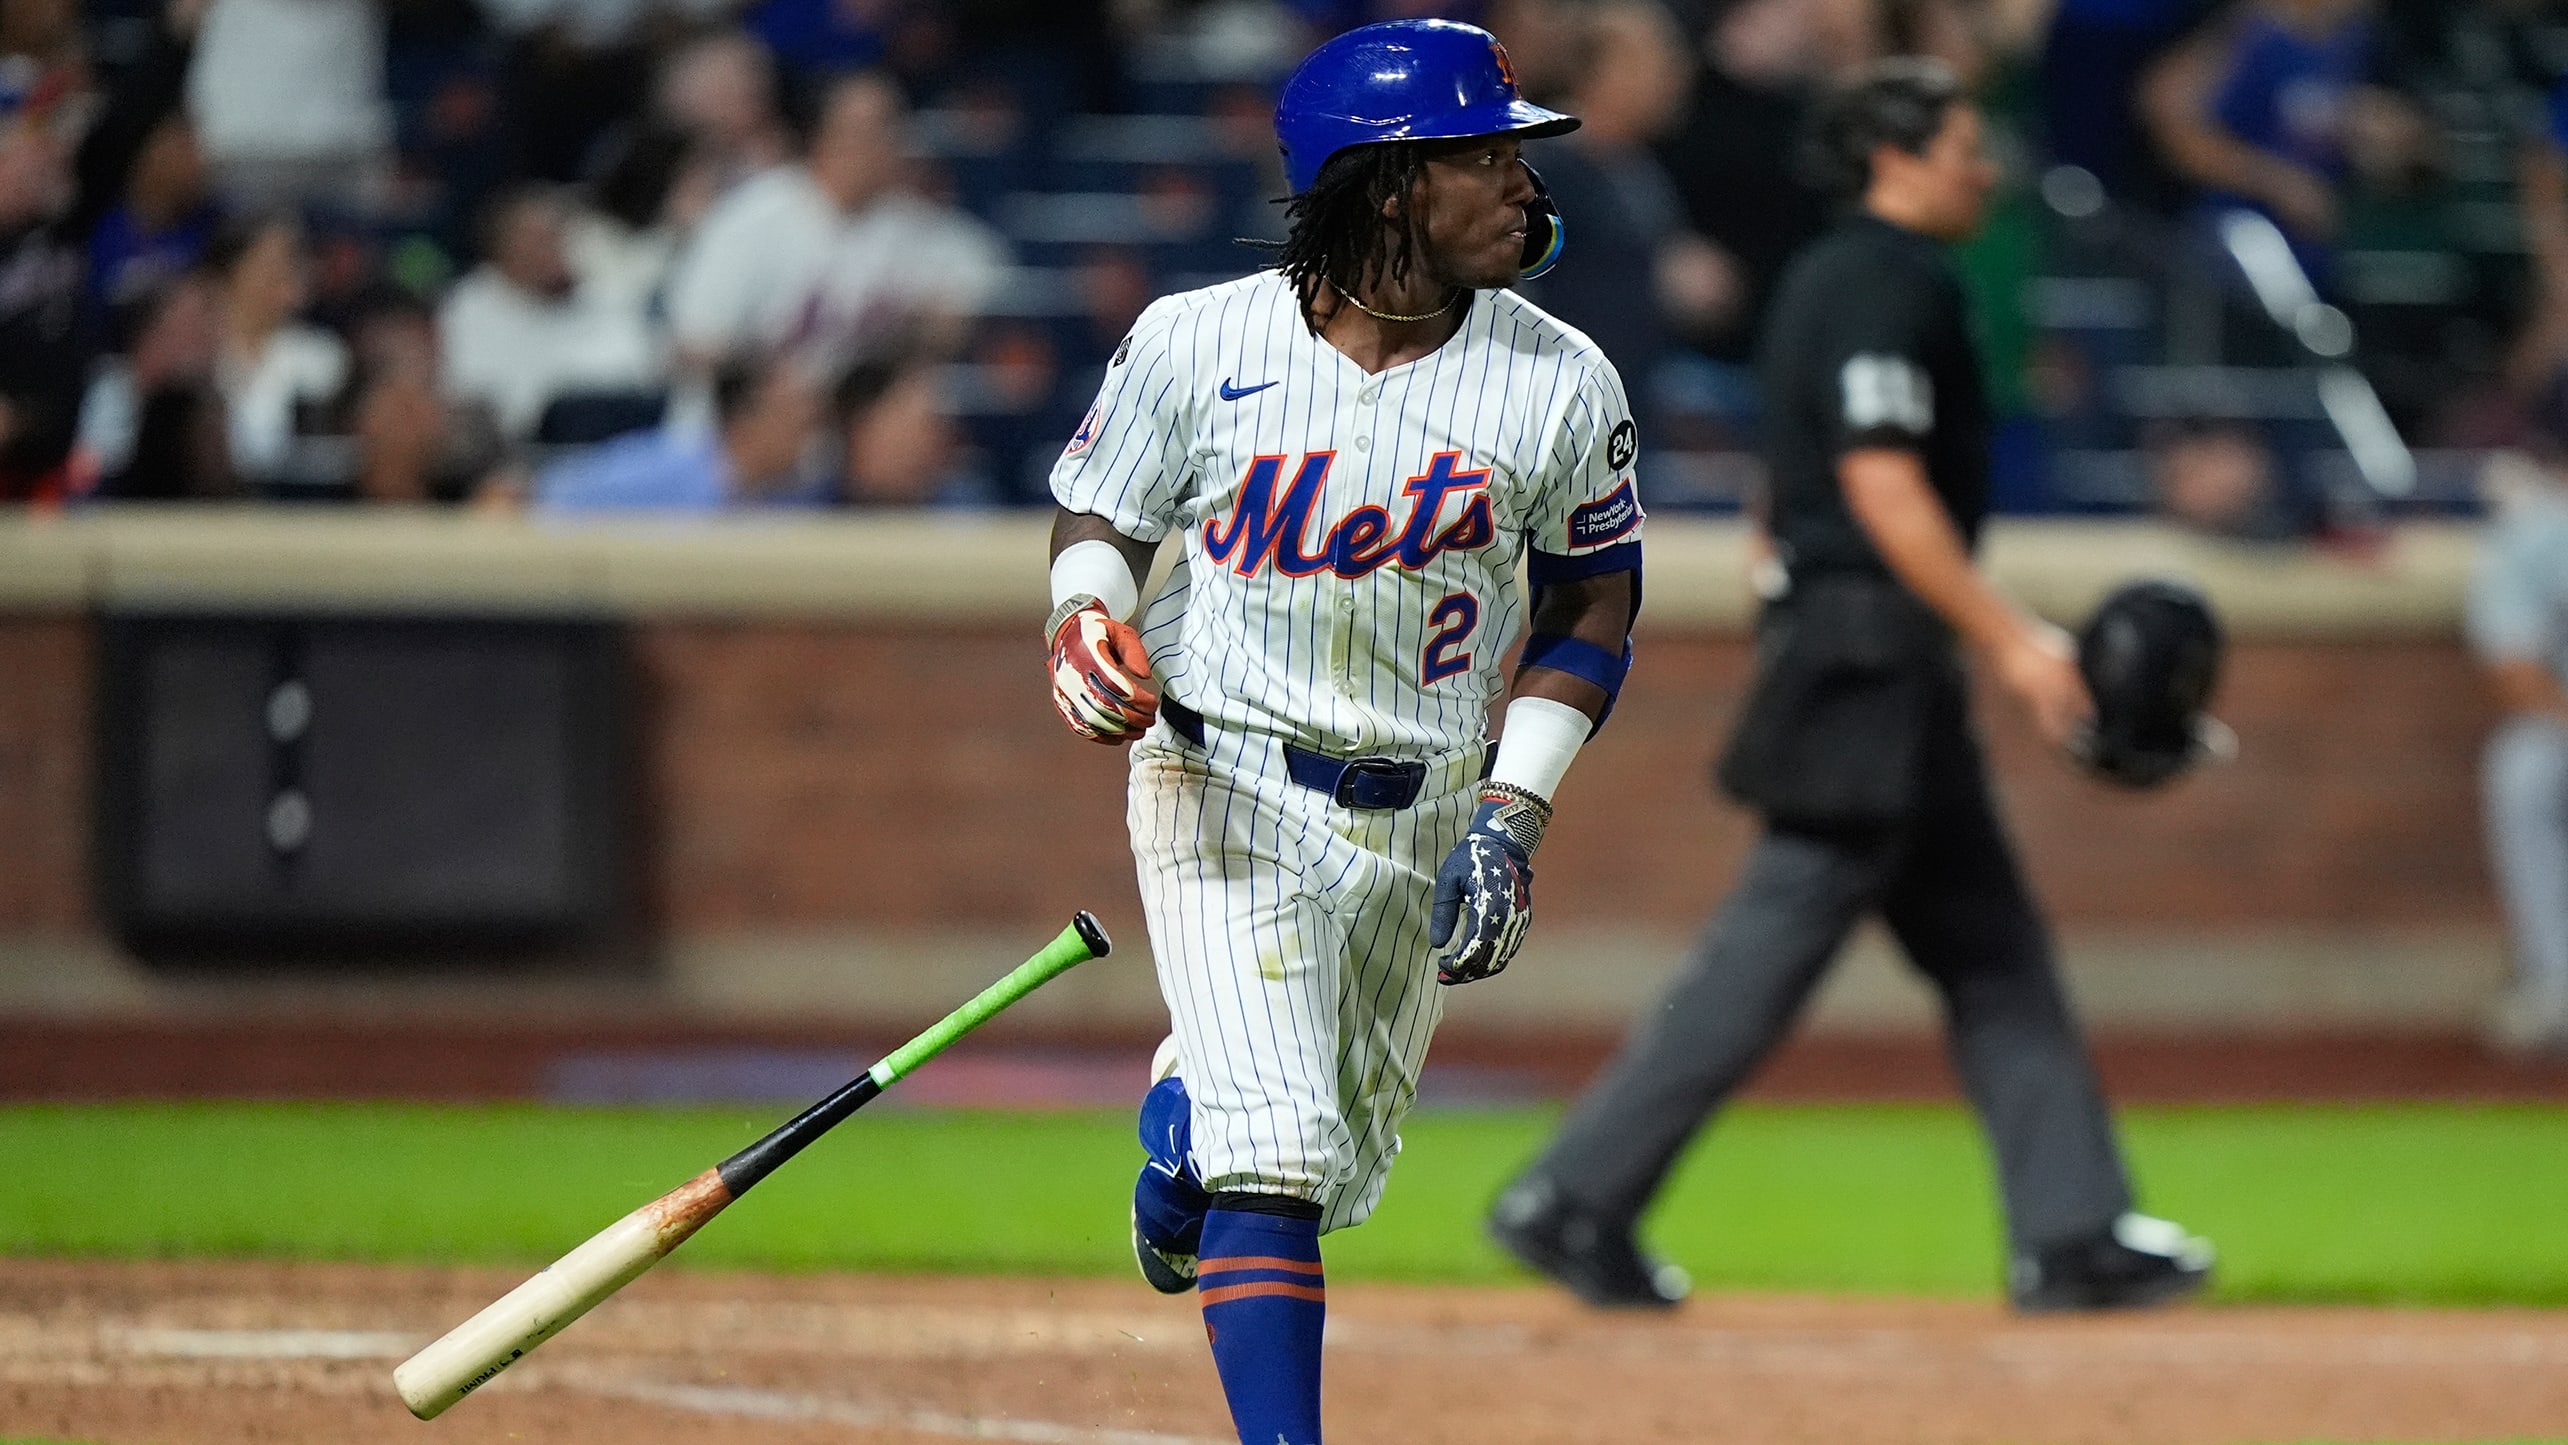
1453 618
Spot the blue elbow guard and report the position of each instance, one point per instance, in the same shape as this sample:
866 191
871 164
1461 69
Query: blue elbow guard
1563 653
1581 659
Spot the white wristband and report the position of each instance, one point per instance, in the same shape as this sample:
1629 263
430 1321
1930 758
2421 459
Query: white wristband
1542 737
1095 569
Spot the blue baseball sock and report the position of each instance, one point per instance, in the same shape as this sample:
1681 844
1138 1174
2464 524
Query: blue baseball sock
1264 1303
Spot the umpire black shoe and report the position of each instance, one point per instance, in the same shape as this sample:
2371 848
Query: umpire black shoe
1598 1261
2139 1262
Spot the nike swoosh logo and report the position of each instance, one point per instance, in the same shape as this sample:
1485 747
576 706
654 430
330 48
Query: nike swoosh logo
1234 393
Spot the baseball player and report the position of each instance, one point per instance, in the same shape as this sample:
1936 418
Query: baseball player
1358 448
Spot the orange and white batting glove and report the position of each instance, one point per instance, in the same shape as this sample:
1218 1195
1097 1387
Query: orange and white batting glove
1100 674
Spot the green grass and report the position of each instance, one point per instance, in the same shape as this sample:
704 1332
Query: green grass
2421 1204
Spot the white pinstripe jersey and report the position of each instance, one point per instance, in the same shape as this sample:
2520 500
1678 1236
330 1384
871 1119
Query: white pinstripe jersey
1351 539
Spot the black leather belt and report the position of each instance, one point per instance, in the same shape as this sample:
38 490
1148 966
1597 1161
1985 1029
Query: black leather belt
1369 784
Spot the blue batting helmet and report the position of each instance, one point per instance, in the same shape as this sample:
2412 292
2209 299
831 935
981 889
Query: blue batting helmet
1414 80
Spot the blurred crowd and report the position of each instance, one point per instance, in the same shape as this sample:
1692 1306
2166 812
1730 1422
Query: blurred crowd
698 254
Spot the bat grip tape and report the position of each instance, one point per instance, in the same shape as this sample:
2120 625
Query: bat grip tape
1082 940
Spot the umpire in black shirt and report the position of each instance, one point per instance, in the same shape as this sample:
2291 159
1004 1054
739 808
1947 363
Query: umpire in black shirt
1856 747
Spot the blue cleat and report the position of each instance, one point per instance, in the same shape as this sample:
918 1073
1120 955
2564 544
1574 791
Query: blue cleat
1168 1201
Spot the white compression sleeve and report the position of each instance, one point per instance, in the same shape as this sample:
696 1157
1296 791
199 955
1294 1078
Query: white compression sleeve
1095 569
1542 737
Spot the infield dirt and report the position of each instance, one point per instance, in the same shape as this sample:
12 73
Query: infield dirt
223 1354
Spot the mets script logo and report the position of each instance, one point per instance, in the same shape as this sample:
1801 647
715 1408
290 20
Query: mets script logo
1265 528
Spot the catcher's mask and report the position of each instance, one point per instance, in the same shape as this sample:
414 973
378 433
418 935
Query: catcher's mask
2151 657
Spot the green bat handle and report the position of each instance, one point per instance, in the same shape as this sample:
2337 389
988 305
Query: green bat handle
1084 939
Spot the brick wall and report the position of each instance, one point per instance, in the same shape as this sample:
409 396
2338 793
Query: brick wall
812 775
2353 801
44 773
815 776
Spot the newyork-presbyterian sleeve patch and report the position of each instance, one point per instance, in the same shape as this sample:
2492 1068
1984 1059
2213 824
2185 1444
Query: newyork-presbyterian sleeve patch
1613 515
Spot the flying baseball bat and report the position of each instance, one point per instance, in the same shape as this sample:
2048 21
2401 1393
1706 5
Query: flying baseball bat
471 1354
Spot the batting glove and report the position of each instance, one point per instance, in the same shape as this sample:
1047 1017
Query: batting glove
1485 890
1100 674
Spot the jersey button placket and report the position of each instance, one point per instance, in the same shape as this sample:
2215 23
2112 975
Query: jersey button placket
1345 822
1345 670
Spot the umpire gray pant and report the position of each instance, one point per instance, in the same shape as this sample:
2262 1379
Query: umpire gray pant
1946 883
2526 791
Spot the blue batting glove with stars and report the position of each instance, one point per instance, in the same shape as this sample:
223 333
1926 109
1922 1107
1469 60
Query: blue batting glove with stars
1485 890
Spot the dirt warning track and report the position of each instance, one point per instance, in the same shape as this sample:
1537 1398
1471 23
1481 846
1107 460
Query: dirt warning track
224 1354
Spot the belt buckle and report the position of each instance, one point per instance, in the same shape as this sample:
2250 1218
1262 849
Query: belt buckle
1412 775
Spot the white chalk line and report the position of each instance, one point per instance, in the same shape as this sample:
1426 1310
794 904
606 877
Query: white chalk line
741 1402
2211 1346
280 1344
726 1400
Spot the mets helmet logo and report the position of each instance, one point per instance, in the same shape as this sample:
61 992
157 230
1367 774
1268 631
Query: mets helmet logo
1506 67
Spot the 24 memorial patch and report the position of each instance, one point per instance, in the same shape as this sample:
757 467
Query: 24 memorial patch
1622 444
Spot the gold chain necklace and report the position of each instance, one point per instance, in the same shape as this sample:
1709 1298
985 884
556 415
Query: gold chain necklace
1349 298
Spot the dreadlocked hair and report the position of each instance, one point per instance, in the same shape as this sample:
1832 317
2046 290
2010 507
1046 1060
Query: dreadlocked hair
1337 235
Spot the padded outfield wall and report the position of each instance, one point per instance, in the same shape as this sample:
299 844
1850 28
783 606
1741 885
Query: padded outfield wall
856 794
